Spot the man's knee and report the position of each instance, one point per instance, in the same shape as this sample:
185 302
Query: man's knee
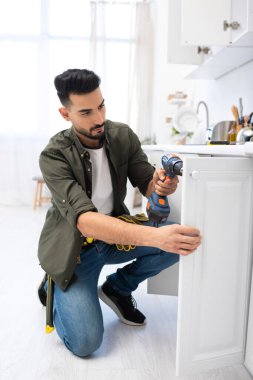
85 344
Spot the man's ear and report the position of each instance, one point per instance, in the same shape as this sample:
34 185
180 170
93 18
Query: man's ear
64 112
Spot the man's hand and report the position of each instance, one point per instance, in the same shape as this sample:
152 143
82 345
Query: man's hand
164 186
178 239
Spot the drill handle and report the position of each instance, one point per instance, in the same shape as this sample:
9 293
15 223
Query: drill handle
158 208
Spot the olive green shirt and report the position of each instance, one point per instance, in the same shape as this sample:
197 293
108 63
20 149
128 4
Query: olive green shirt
67 171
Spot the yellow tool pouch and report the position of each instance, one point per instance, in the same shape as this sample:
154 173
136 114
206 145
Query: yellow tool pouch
134 219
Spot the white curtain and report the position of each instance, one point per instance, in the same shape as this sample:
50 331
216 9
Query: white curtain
141 76
135 75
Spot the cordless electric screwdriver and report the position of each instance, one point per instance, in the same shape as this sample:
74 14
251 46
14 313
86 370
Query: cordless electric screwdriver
158 208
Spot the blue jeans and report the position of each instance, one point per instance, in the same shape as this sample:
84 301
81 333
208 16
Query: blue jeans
77 313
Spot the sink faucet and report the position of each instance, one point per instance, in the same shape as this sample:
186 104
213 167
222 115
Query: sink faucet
208 129
207 113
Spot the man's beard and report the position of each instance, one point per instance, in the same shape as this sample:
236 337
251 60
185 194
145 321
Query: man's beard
99 136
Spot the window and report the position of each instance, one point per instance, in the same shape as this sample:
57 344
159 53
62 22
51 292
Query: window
20 17
69 18
41 39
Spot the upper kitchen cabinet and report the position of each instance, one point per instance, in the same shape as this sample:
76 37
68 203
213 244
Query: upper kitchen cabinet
218 22
202 22
220 33
177 53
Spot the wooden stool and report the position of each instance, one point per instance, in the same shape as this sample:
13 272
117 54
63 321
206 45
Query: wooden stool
38 198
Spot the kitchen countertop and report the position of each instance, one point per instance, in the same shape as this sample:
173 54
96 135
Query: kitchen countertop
217 150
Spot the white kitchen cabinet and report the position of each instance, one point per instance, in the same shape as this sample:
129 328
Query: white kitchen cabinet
214 282
196 24
202 22
217 22
224 27
249 346
177 53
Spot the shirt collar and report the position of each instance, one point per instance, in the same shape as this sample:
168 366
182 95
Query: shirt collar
82 149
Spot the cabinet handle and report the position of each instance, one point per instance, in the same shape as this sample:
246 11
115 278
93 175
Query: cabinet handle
204 50
233 25
195 174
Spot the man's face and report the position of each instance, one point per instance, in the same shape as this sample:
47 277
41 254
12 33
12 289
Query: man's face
87 115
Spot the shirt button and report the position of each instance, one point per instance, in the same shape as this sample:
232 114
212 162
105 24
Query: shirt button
66 281
82 155
88 169
87 154
63 201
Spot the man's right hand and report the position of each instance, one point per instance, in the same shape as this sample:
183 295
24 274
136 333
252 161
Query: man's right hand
178 239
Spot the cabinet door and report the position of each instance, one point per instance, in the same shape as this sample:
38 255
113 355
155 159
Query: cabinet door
166 282
249 347
241 11
202 22
214 281
176 52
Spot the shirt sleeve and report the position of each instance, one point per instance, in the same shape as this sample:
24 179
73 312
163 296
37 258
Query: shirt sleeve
67 194
140 171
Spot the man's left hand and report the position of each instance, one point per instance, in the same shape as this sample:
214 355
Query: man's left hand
164 186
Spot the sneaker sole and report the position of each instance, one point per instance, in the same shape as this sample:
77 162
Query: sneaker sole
109 303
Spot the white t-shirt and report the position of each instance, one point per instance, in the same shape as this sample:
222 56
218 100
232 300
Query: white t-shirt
102 193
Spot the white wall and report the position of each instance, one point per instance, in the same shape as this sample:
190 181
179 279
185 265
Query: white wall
219 94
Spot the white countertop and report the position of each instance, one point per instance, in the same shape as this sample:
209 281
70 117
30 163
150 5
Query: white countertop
217 150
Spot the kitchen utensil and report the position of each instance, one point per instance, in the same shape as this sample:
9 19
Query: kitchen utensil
250 117
245 120
241 109
245 135
235 112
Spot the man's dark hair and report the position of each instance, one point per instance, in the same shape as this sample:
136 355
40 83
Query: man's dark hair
75 81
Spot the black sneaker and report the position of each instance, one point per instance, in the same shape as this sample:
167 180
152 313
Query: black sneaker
41 291
124 306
